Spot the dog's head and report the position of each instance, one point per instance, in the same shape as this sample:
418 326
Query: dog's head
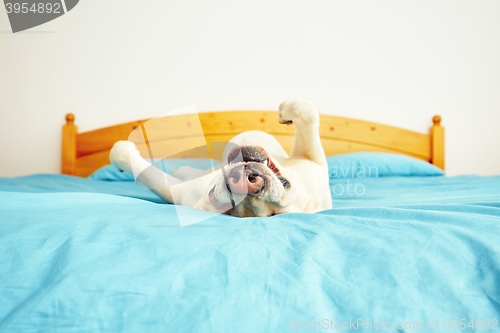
254 184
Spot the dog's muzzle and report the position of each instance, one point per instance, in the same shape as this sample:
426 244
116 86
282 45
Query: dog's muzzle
248 178
249 173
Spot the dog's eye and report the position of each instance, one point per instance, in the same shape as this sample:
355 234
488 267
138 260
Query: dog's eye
286 184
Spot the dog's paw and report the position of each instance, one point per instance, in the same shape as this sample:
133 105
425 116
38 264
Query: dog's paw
297 111
121 154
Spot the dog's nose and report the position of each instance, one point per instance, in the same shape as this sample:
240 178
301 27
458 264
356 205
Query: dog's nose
245 181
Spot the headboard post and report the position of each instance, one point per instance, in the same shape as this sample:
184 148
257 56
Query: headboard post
437 143
68 157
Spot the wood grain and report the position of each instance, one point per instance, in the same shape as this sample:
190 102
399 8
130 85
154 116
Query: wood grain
68 147
437 148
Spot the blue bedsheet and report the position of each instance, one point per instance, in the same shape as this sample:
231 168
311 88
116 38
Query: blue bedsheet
78 255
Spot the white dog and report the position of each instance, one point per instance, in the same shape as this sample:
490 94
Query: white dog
259 179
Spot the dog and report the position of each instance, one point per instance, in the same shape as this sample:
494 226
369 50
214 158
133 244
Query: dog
259 179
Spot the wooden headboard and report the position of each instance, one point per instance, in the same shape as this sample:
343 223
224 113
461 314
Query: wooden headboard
83 153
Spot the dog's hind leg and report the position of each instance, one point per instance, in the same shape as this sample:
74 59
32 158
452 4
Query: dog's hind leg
305 117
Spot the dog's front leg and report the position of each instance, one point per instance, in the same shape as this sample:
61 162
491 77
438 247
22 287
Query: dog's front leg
125 156
305 117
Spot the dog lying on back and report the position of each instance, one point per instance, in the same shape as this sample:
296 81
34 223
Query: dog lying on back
260 179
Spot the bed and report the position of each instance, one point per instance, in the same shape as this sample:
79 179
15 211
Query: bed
404 248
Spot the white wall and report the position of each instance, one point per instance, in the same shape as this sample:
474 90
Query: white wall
395 62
